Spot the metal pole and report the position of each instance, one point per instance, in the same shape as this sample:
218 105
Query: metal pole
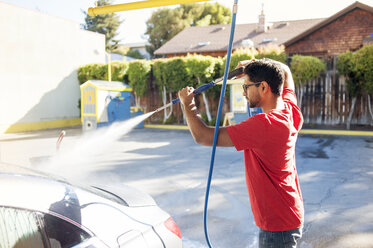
137 5
109 66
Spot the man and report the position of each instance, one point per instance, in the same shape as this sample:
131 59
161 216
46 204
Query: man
268 141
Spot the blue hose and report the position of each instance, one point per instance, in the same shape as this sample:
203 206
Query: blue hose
222 93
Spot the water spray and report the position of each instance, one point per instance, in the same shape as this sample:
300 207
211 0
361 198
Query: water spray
232 75
223 80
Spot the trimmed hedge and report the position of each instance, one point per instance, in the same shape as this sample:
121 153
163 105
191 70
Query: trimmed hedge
138 74
364 67
306 68
100 72
178 72
357 67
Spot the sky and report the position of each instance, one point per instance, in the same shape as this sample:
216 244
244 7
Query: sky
134 22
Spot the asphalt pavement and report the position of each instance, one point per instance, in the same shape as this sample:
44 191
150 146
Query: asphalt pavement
336 177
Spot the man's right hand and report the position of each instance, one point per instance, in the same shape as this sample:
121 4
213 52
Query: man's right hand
288 80
243 63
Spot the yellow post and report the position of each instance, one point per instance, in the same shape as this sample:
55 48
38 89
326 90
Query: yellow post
137 5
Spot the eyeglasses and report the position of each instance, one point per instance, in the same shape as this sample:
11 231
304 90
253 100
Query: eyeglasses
245 86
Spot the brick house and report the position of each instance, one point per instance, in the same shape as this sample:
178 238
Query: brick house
346 30
326 99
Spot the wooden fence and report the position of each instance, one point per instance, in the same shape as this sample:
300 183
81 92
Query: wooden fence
325 101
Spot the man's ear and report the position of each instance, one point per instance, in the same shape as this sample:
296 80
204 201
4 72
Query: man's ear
264 86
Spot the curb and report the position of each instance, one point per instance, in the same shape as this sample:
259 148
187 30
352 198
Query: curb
303 131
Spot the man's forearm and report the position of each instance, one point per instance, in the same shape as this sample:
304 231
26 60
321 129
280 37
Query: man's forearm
201 133
289 81
199 130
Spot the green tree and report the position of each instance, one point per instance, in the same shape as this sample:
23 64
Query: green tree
106 24
165 23
206 14
134 54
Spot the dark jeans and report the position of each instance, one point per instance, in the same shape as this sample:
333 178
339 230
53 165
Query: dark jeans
282 239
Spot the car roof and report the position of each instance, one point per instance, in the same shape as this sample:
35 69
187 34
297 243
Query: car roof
42 194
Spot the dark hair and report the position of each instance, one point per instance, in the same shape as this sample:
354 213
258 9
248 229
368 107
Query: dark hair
266 70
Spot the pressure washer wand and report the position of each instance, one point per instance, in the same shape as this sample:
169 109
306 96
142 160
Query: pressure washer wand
204 87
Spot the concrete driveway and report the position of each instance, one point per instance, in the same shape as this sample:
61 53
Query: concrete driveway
336 177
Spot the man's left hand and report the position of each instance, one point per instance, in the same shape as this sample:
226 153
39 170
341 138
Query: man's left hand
186 95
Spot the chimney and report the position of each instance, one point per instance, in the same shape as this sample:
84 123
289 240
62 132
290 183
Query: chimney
262 25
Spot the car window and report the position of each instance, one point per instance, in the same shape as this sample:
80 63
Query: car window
62 234
19 229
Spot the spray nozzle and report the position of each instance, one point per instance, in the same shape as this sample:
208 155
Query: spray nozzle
232 74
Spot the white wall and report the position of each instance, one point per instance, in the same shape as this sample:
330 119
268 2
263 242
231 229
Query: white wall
39 57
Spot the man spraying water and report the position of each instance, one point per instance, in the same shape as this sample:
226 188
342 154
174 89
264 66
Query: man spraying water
268 141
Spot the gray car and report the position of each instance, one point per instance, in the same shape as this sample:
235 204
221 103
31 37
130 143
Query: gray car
37 210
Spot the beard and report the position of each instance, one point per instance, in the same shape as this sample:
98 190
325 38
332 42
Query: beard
253 102
253 98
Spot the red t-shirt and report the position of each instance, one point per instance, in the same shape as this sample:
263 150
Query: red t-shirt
268 141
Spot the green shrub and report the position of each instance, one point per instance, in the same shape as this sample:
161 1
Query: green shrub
213 121
237 56
178 76
172 73
160 72
364 67
200 68
305 68
357 67
92 72
171 120
100 72
346 66
272 52
118 70
138 74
